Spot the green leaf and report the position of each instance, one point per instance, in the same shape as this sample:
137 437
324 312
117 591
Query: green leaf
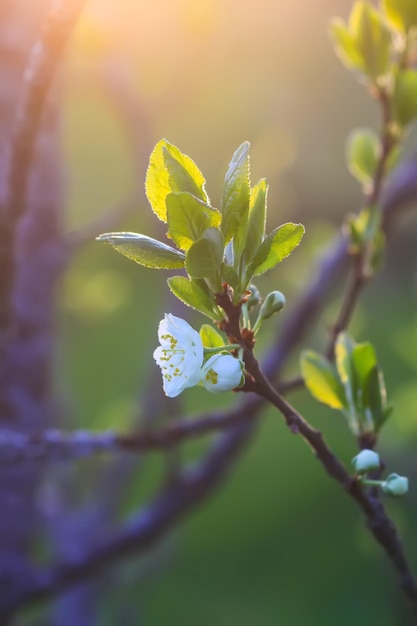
364 227
144 250
230 276
402 14
169 171
211 337
205 257
345 45
321 380
364 360
373 39
365 44
343 352
188 218
404 98
257 218
235 201
375 397
195 295
362 154
275 247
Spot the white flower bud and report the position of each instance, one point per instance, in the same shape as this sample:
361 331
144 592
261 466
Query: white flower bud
366 461
395 485
222 372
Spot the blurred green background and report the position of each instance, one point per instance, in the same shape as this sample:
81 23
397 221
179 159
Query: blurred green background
279 543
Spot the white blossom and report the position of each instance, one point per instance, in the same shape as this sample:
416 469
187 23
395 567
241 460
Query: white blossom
180 355
222 372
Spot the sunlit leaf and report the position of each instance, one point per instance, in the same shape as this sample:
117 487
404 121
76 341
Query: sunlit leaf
235 201
275 247
364 361
343 352
188 218
345 45
404 99
373 38
321 379
169 171
402 14
144 250
257 218
211 337
362 154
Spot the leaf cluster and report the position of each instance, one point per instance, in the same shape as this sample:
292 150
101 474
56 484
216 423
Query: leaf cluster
353 385
215 246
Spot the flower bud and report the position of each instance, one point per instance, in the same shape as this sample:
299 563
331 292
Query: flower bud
222 372
395 485
366 461
273 303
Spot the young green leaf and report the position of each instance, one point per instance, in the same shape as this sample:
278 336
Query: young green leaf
402 14
144 250
345 45
235 201
365 43
205 257
375 397
404 98
195 295
257 218
188 218
373 38
230 276
275 247
211 337
169 171
321 380
362 154
343 352
364 361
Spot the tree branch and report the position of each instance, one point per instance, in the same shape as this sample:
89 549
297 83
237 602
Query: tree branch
56 445
145 528
39 73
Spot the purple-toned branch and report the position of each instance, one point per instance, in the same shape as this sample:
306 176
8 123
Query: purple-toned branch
146 527
57 445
